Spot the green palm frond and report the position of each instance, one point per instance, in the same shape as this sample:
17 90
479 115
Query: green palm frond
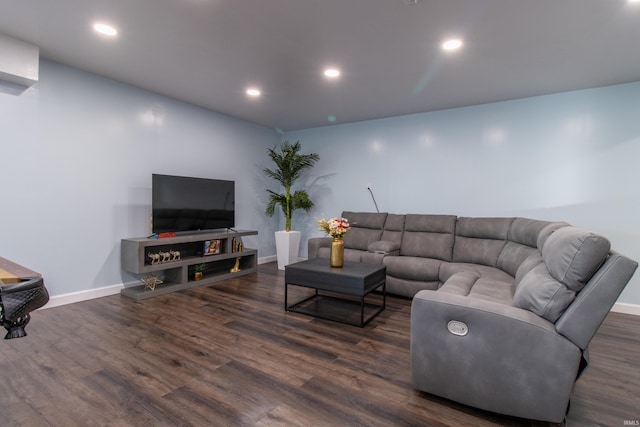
301 200
275 199
289 166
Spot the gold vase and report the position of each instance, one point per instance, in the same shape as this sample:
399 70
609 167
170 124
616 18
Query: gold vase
337 253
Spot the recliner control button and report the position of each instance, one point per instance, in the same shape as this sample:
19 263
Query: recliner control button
457 328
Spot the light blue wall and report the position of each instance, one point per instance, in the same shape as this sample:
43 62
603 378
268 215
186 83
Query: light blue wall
77 156
570 156
78 152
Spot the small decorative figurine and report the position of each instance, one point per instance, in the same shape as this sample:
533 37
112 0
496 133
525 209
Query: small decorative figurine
236 267
155 258
151 281
166 256
175 255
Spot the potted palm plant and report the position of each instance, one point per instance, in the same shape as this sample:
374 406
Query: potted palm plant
289 166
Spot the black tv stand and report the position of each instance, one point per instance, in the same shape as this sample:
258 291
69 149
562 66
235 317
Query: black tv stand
176 274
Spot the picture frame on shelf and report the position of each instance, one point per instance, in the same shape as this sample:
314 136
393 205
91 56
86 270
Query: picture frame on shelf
212 247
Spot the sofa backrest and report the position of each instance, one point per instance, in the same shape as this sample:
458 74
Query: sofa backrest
504 243
366 228
393 228
429 236
480 240
522 242
570 258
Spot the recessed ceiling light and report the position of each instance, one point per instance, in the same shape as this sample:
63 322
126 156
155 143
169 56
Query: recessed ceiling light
253 92
332 73
452 44
105 29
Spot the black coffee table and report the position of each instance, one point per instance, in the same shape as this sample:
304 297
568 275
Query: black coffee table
339 292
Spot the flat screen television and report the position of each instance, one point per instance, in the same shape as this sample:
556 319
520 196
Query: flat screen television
181 203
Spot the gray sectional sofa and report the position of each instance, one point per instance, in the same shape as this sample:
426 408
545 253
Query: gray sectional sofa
503 309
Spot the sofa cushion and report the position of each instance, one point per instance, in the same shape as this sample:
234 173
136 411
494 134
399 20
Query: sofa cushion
513 255
409 288
383 247
460 283
484 228
480 240
365 219
572 255
477 251
448 269
366 227
354 255
468 283
412 268
428 236
540 293
548 231
361 238
526 231
527 265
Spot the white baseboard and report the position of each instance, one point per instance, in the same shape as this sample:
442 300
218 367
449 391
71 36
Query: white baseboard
621 307
267 259
79 296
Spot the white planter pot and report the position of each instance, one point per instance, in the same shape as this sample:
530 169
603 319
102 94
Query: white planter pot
287 246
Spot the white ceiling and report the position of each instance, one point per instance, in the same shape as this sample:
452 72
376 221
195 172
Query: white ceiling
207 52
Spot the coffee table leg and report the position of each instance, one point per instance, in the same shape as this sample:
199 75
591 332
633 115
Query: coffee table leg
384 295
286 287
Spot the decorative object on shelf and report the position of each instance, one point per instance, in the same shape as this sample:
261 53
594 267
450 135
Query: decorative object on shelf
175 255
336 228
289 166
236 245
236 266
151 281
198 269
155 258
166 256
212 247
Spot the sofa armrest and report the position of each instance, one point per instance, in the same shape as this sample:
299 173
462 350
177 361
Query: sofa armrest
491 356
384 247
315 243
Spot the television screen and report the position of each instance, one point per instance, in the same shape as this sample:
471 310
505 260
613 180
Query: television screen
182 203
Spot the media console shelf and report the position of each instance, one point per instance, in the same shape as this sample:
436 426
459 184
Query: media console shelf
177 274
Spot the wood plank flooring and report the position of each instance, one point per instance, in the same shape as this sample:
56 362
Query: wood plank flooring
228 355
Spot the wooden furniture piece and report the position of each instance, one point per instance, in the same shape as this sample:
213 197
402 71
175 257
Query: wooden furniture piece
138 257
344 290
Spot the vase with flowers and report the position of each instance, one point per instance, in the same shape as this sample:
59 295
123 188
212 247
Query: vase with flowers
336 228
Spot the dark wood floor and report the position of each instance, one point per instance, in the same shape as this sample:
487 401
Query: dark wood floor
228 354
